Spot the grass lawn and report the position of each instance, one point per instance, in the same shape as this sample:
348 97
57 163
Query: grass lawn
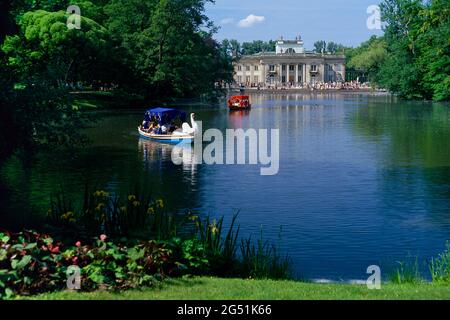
204 288
100 100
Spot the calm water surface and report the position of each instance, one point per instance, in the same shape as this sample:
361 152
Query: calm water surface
364 179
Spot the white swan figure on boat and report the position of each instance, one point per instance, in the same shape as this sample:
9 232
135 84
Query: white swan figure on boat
186 128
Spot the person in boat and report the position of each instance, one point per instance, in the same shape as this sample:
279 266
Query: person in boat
172 127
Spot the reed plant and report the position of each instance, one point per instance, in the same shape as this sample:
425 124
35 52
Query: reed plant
440 266
204 242
247 258
407 271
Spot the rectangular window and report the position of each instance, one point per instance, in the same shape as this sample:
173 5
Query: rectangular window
255 79
247 79
247 68
271 67
239 68
300 67
256 68
291 67
283 67
313 67
299 79
283 79
239 79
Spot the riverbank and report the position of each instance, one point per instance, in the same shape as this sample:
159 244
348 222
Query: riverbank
110 100
308 90
205 288
105 100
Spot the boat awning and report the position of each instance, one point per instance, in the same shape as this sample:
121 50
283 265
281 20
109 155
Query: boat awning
240 97
164 115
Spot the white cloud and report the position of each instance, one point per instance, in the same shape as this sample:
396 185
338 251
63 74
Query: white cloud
226 21
250 21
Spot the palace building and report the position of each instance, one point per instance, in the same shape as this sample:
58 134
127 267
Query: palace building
290 65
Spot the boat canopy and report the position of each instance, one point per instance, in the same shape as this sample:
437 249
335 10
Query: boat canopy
164 115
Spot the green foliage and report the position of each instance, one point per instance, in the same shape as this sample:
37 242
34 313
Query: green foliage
257 46
418 62
369 57
262 261
28 263
133 216
203 245
165 51
440 266
335 48
331 47
254 260
45 46
37 116
169 45
406 272
31 263
320 46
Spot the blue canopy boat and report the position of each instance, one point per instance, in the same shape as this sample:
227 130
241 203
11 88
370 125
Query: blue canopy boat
167 125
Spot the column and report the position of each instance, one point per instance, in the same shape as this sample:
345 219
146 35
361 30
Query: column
263 74
296 73
304 73
280 74
287 72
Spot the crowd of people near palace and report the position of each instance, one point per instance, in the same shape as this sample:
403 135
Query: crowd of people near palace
350 85
94 86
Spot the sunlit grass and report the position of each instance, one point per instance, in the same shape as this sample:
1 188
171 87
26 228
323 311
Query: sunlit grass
204 288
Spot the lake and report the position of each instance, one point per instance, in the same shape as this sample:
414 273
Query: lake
363 179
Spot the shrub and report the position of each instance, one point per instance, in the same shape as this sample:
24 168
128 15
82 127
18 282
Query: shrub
31 263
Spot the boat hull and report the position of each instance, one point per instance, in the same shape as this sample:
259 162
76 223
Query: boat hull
239 103
166 138
236 108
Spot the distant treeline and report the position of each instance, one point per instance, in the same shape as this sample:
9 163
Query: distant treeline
234 48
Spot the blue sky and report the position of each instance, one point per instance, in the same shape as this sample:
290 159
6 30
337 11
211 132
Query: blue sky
342 21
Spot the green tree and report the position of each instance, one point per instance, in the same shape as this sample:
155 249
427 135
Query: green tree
369 57
320 46
46 46
416 34
257 46
434 47
168 44
334 48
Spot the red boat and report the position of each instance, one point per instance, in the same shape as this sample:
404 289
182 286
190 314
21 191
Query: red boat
239 103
